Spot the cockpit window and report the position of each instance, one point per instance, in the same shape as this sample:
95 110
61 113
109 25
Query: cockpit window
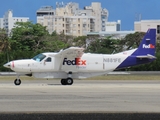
48 59
39 57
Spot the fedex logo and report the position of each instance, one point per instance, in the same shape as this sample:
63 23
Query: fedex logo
148 46
76 61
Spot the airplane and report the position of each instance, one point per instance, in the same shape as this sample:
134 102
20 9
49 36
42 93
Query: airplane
74 63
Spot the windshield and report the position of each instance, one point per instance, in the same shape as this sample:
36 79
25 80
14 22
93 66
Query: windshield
39 57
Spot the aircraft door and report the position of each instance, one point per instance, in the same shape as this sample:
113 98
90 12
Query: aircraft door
47 64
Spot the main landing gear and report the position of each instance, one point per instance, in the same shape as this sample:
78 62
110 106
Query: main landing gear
68 81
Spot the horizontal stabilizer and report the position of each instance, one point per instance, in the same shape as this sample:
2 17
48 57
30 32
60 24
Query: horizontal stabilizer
146 56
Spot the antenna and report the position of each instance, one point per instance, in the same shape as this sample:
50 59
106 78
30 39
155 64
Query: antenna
62 4
135 16
57 4
140 17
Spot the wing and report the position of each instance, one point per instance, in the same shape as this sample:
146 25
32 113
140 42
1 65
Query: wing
146 56
72 53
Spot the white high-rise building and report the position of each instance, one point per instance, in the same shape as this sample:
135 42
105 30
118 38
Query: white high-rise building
71 20
8 21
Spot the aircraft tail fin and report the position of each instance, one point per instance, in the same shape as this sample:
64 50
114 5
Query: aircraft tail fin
145 53
148 45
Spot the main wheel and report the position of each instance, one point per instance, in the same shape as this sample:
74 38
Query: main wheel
63 82
17 82
69 81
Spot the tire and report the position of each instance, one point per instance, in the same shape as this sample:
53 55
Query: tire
69 81
63 81
17 82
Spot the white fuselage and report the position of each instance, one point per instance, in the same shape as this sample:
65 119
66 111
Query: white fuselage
87 63
86 66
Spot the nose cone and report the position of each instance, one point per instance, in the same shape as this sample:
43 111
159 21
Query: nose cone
7 65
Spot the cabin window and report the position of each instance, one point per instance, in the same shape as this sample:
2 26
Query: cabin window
48 59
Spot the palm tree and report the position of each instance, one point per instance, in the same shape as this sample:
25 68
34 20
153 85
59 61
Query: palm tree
4 41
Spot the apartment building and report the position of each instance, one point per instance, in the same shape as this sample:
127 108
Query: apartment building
144 25
71 20
8 21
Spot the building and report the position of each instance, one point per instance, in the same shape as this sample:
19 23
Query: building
113 29
1 22
113 26
113 34
8 21
144 25
71 20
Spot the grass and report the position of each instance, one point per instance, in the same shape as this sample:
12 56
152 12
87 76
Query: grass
106 77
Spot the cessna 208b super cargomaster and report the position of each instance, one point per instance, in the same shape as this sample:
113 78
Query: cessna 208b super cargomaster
73 63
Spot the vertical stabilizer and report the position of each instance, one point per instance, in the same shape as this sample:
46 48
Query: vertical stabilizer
148 44
145 53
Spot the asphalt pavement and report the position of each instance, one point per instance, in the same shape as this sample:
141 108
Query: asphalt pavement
84 96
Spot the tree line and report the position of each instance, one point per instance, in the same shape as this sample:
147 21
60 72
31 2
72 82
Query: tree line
28 39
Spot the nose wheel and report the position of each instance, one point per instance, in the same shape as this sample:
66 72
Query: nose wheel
17 81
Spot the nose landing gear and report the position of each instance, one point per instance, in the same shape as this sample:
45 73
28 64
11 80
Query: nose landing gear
17 81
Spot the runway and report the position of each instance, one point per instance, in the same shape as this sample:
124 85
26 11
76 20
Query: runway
82 96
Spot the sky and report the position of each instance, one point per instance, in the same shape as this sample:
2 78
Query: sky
125 10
